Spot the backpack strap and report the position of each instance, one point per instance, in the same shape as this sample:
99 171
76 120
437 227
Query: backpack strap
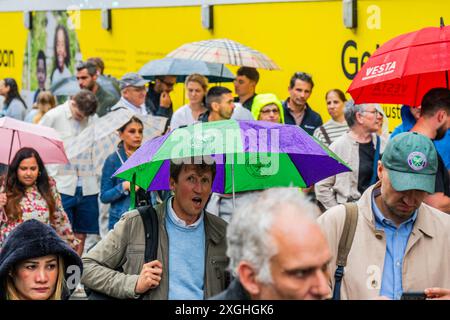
345 244
150 220
325 134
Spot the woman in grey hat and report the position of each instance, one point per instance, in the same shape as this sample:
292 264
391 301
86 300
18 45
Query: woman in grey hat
35 264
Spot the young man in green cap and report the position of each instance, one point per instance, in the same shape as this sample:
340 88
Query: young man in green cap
400 244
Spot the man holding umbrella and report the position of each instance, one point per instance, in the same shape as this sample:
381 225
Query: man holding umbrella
190 261
77 181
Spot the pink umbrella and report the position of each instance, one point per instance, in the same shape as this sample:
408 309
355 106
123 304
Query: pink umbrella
15 134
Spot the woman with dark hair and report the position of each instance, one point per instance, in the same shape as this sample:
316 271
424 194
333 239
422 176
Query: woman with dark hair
29 193
115 190
34 264
14 106
61 54
336 126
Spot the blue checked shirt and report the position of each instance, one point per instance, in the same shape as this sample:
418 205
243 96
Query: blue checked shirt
396 241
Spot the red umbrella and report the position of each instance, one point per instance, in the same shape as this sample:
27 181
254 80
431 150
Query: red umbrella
403 69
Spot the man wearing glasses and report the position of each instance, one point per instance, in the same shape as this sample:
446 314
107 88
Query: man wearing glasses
296 109
158 100
133 91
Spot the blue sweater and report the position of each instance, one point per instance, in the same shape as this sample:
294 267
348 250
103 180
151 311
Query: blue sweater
186 260
441 145
111 188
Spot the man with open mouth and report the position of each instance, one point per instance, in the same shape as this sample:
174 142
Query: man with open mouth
191 253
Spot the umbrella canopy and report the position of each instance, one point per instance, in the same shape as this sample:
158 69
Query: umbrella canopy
100 139
181 68
249 155
65 87
110 84
224 51
69 86
15 134
403 69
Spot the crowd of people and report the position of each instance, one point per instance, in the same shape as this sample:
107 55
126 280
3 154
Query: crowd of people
280 243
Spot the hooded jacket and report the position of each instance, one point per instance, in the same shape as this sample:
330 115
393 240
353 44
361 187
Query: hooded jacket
408 121
262 100
32 239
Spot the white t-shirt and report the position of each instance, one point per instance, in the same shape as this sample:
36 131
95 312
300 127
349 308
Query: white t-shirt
182 117
241 113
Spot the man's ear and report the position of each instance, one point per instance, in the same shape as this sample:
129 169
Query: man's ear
359 117
214 106
247 277
172 184
441 116
380 170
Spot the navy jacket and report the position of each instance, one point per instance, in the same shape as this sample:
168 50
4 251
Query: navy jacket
310 122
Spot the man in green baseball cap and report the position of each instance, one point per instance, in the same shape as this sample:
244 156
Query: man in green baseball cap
399 243
411 163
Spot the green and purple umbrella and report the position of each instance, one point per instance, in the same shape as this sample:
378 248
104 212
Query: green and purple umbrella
249 155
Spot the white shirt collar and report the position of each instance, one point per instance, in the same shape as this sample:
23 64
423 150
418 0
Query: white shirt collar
179 222
139 110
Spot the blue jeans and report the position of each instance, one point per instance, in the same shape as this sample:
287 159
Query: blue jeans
82 211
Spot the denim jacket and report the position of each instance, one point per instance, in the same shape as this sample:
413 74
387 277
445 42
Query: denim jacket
111 187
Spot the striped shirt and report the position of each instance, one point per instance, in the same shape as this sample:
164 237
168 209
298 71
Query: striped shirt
333 128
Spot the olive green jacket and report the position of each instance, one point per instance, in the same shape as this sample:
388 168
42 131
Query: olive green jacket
123 249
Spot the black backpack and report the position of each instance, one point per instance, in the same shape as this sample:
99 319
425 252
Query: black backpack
150 220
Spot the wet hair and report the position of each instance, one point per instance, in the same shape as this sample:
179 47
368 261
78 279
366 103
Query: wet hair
16 190
215 95
434 100
201 166
339 93
249 72
86 102
303 76
98 62
13 92
89 66
67 46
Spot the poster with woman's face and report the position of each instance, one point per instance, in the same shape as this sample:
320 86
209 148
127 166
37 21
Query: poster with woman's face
52 50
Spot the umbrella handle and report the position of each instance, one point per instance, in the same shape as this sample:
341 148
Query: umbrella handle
10 148
133 192
232 184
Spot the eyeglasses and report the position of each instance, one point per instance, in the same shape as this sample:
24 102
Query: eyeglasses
267 111
373 111
138 89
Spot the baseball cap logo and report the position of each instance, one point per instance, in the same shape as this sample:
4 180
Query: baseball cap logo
417 160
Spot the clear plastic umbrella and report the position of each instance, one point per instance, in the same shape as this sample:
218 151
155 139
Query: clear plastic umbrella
224 51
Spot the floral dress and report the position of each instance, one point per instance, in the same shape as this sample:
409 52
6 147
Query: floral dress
34 206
